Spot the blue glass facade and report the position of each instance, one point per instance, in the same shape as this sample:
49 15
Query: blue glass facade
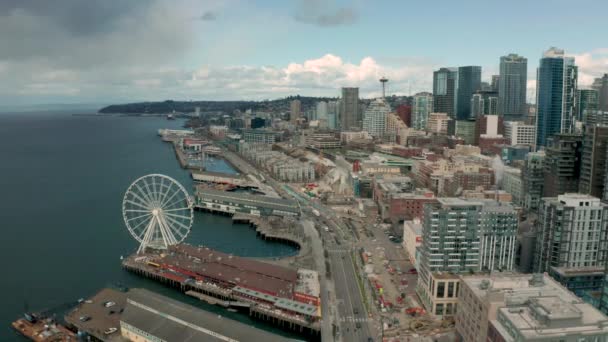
555 97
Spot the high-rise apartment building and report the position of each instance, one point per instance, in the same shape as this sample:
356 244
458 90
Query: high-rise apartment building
374 119
571 232
422 106
512 86
350 115
533 177
562 164
295 111
445 82
601 85
587 100
556 89
469 82
484 102
593 160
462 236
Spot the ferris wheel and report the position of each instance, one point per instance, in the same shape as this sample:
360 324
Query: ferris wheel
157 211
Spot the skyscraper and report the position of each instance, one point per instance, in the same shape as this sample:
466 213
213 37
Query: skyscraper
587 99
374 120
512 87
444 91
295 111
555 95
601 85
422 106
469 82
349 109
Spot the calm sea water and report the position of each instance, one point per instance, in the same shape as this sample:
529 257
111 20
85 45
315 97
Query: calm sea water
62 178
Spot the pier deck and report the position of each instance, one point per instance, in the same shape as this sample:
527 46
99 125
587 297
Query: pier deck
100 317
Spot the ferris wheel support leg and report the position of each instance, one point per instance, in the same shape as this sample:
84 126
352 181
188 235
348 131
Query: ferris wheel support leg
146 240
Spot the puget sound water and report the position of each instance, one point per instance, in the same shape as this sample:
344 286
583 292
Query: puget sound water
62 179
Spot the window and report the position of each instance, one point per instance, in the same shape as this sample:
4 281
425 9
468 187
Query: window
439 309
440 289
450 290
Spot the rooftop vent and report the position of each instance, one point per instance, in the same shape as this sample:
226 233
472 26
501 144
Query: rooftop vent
485 284
536 280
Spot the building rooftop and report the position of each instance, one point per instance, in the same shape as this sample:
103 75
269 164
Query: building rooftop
246 199
171 320
536 305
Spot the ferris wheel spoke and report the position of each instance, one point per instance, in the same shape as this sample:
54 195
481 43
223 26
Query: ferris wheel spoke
143 198
150 192
172 233
136 204
163 190
176 209
136 211
179 216
138 217
134 229
143 194
176 203
155 191
178 223
164 204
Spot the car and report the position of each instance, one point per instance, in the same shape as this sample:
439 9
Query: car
412 271
356 311
358 325
369 339
110 331
84 318
109 304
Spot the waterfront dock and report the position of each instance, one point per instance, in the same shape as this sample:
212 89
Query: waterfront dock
95 316
137 314
268 292
273 229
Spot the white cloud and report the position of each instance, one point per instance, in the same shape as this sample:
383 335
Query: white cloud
591 65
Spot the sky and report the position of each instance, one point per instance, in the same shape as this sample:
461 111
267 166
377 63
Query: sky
115 51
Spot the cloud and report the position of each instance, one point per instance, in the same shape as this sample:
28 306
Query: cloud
325 13
591 65
208 16
321 76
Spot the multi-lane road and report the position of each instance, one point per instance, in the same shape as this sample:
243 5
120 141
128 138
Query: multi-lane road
347 311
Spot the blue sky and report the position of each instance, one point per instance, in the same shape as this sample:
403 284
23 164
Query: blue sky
236 49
